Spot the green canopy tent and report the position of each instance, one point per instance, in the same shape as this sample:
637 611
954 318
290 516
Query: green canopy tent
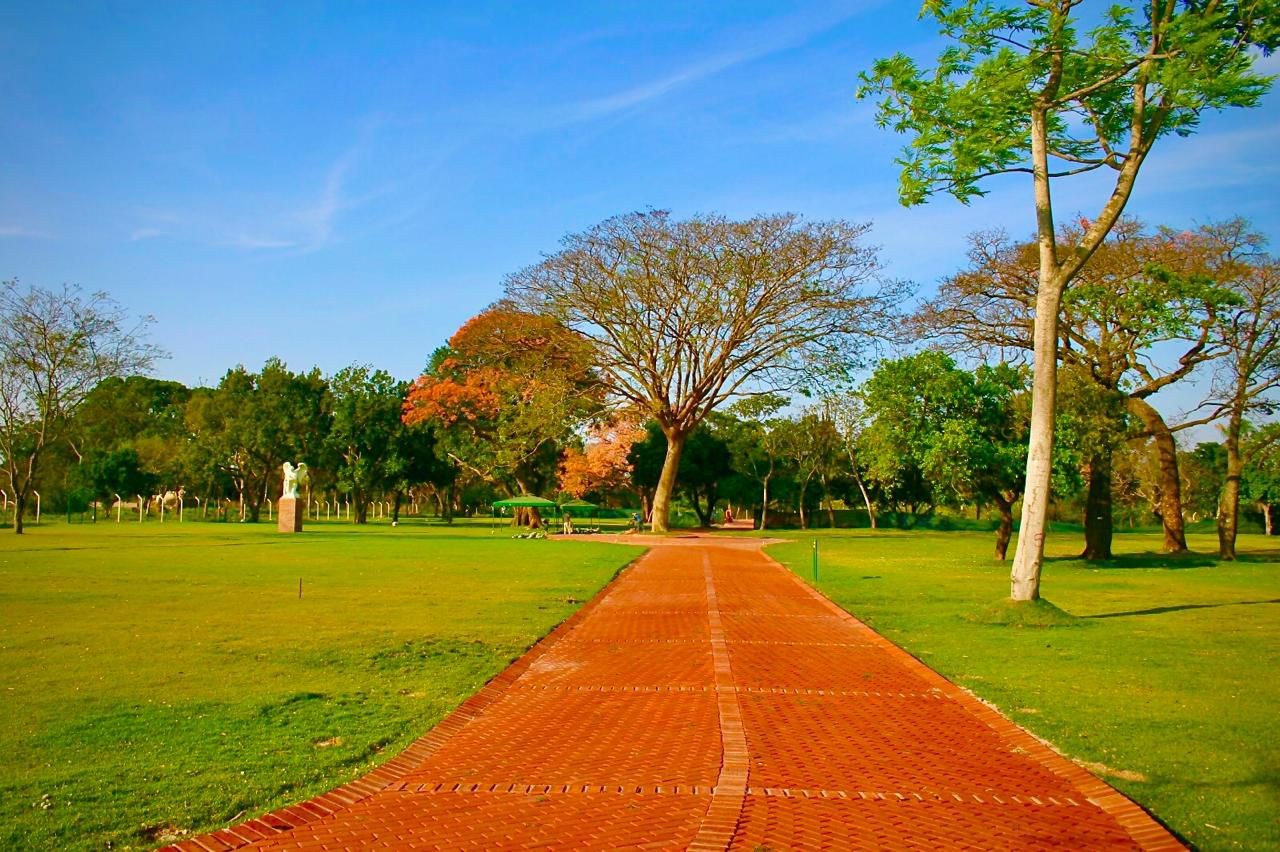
580 508
524 501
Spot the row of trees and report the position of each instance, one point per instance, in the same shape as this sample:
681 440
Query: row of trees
518 402
137 435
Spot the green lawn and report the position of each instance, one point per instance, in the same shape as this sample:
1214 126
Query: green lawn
170 677
1167 680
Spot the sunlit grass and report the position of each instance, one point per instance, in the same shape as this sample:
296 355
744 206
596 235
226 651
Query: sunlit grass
1159 671
161 678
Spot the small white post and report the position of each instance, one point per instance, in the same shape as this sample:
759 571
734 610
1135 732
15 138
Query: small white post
242 507
180 501
326 510
162 508
199 503
270 517
139 496
119 506
346 502
37 493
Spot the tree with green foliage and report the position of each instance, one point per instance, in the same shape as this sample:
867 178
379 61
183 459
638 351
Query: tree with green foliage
1204 471
106 473
754 435
56 346
813 446
1260 483
1023 89
684 316
367 405
1141 294
252 423
963 433
849 413
705 464
505 396
1247 377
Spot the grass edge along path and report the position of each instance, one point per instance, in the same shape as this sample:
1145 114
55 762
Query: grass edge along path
1163 688
300 813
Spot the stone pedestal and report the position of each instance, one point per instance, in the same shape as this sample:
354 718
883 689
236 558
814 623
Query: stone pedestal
289 515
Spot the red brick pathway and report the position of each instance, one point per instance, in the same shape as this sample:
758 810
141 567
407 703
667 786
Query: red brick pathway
708 699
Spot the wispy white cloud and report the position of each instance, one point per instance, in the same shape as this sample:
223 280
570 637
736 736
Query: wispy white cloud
310 224
776 36
21 231
246 241
143 234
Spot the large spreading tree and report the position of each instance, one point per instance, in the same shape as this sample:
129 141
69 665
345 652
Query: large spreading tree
1143 292
55 347
1025 89
684 315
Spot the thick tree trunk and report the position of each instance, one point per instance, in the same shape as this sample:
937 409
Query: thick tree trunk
19 506
395 507
1229 499
1099 522
1024 578
1175 536
667 481
1004 532
704 515
1266 517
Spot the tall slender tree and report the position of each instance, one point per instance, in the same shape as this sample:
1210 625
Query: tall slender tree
1024 89
1143 292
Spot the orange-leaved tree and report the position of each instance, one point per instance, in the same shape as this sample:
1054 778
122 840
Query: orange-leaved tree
601 465
505 393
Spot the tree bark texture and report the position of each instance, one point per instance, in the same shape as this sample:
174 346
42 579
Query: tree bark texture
1175 536
764 504
667 481
1004 532
1229 499
1099 521
1024 578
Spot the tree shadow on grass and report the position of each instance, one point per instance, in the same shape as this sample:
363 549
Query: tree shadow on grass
1165 561
1159 610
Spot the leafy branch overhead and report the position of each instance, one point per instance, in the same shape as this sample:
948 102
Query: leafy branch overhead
1107 92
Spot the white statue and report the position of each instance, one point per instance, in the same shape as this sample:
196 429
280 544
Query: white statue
293 478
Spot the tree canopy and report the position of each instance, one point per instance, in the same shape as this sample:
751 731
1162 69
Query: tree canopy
681 316
1026 89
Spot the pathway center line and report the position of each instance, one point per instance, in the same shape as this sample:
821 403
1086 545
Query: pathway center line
721 820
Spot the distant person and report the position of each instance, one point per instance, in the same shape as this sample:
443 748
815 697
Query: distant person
635 522
728 515
567 524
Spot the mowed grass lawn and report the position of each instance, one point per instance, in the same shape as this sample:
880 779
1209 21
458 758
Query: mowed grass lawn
165 678
1166 683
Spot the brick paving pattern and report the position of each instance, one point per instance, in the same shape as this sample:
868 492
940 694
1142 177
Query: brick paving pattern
707 699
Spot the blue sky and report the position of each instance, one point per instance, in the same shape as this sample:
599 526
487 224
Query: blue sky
338 183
